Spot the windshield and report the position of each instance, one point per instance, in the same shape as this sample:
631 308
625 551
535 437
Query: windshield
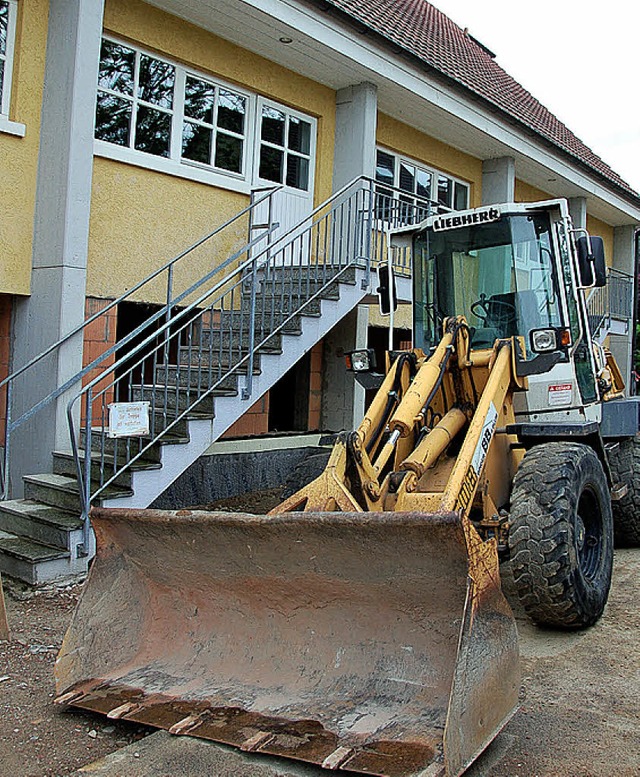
499 275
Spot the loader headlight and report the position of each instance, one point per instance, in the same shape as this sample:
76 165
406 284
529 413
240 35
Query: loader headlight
546 340
363 360
543 340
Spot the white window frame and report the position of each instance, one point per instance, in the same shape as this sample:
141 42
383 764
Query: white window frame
174 164
289 112
6 125
435 174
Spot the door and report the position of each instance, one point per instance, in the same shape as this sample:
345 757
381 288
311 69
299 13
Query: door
285 155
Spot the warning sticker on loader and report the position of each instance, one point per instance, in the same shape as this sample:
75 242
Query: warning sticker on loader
470 482
560 394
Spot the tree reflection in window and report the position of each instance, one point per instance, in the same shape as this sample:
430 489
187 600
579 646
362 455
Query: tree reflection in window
141 120
285 148
214 124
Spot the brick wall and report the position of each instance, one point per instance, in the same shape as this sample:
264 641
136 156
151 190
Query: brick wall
5 356
254 421
98 337
315 388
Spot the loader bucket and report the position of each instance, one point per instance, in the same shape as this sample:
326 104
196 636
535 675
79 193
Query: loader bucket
373 643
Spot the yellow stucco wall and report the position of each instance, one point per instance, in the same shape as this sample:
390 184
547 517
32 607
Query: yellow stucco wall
19 156
524 192
605 231
140 218
404 139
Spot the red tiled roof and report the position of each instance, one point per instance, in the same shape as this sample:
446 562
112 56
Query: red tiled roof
425 32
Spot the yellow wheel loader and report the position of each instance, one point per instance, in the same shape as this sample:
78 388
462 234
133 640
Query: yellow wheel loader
361 625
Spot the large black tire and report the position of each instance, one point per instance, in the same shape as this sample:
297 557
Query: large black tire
561 535
624 461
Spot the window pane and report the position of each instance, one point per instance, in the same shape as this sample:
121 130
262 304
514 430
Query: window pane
299 135
229 153
461 197
271 164
117 64
196 143
153 131
156 81
273 126
444 190
4 26
231 111
297 172
384 204
423 184
1 81
385 168
407 177
113 119
199 99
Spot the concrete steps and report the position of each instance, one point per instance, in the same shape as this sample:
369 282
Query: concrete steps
40 535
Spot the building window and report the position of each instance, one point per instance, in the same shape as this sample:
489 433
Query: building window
8 13
147 104
285 148
213 130
412 187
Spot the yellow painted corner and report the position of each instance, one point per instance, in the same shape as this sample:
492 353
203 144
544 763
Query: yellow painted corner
19 155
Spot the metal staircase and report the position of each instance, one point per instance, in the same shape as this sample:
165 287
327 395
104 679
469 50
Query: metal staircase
610 307
199 361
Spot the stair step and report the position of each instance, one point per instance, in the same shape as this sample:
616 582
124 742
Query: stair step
183 375
31 561
127 447
64 463
231 342
182 398
39 522
213 365
63 492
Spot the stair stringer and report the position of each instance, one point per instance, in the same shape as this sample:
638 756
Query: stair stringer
148 485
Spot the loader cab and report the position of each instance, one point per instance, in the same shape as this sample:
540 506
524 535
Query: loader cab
512 271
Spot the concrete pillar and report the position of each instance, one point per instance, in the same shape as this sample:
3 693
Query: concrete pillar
624 248
342 396
355 136
355 155
498 180
61 224
578 212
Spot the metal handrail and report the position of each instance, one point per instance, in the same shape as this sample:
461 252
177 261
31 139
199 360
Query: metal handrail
12 425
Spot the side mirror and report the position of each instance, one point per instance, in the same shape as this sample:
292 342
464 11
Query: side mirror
591 261
386 290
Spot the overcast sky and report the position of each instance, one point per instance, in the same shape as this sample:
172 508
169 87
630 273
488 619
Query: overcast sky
580 60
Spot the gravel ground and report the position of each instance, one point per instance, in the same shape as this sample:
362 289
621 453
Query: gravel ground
580 715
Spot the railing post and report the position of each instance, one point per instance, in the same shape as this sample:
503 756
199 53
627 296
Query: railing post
85 484
6 454
248 387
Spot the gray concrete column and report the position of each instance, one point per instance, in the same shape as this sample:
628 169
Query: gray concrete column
578 212
61 223
624 248
498 180
354 155
355 137
342 396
